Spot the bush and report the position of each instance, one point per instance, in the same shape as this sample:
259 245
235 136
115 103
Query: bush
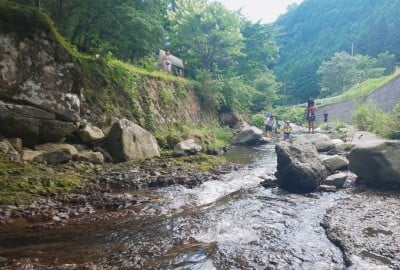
258 120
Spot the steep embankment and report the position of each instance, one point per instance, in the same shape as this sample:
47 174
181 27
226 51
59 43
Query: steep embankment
47 89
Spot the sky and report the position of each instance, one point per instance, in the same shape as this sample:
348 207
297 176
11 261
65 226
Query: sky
266 10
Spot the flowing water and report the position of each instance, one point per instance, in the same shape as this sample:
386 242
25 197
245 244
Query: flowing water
231 223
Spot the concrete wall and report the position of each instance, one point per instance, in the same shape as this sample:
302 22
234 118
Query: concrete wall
385 97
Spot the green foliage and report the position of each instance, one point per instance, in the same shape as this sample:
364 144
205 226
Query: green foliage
293 114
258 120
338 74
369 117
211 136
20 183
206 35
129 29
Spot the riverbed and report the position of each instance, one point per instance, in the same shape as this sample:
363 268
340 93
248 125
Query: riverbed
228 223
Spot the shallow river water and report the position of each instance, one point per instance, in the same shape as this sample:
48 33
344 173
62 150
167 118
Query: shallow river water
232 223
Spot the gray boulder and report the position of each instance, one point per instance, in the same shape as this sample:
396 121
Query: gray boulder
128 141
299 169
377 162
248 135
187 147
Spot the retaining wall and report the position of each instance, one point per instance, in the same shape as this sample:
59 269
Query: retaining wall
385 97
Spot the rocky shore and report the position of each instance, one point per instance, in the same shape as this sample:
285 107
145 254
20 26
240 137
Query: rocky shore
105 188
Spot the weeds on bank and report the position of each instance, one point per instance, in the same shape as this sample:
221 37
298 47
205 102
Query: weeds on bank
368 116
211 136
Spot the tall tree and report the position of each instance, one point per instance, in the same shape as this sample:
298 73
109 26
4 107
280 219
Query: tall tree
338 74
206 35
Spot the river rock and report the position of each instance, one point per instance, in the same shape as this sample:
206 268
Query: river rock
376 163
8 149
337 180
322 142
365 227
299 169
128 141
187 147
55 153
89 156
334 163
90 133
249 135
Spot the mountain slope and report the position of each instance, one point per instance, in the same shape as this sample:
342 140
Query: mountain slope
316 29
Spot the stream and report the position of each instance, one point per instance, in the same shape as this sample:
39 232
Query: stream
232 223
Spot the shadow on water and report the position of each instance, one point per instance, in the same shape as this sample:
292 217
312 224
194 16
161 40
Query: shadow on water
231 223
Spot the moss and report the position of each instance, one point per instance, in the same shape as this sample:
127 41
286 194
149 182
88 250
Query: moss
26 21
199 162
20 183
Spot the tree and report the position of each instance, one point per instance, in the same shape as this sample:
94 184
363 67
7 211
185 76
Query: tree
206 35
338 74
386 60
129 29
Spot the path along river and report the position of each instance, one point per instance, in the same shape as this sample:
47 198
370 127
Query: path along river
231 223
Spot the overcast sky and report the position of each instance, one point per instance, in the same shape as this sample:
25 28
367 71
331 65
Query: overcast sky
266 10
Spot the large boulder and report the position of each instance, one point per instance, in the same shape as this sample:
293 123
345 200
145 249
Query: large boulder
376 162
128 141
299 169
248 135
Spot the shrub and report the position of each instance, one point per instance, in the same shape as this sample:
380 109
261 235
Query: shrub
258 120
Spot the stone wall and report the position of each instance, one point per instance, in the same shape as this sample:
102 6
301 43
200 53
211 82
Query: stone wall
386 97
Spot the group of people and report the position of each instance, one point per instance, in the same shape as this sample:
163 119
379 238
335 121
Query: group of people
273 125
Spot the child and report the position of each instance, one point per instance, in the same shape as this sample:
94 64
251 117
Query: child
286 131
310 115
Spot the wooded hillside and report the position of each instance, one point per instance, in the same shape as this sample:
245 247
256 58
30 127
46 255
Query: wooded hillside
316 29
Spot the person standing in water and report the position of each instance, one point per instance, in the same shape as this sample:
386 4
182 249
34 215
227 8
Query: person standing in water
310 115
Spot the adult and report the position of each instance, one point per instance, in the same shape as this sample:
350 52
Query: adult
270 126
310 115
167 62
